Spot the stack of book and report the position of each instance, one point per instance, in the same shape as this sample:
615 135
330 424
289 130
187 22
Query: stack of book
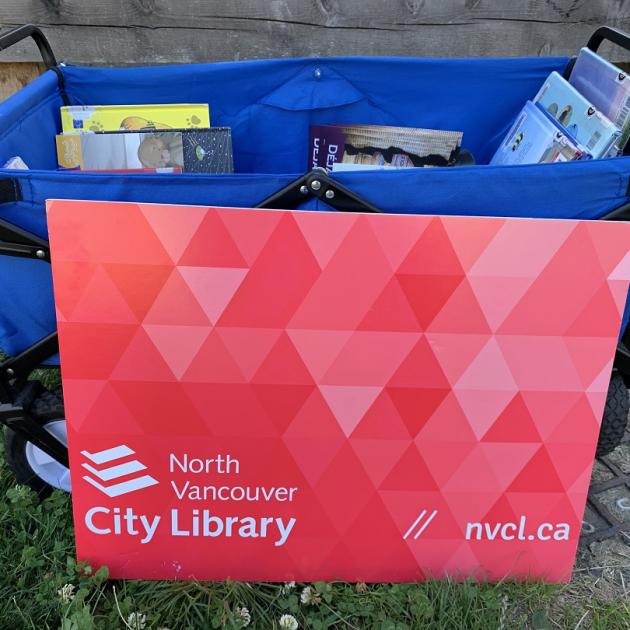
144 139
586 117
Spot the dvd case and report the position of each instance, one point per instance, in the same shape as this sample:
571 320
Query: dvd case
578 116
536 137
606 86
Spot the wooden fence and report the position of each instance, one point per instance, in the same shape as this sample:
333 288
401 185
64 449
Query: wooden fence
161 31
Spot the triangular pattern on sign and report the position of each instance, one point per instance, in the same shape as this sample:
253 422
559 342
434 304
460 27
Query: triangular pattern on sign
449 319
390 311
598 317
156 407
501 512
177 344
416 406
378 456
382 421
601 382
548 408
101 301
175 304
213 287
488 370
579 426
622 270
250 232
139 284
472 473
105 341
283 364
78 274
538 475
282 402
351 282
576 459
514 424
557 293
174 225
590 355
212 245
319 348
507 459
382 557
397 238
486 290
276 285
109 413
466 506
611 247
443 457
512 253
227 408
213 363
315 420
539 362
344 507
419 368
142 361
248 346
370 358
427 295
448 419
597 400
81 395
483 407
472 238
349 403
323 241
618 290
410 473
421 259
455 352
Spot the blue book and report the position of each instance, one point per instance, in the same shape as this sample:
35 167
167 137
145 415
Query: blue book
535 137
586 124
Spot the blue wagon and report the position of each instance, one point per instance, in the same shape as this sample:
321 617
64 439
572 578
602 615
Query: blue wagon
270 105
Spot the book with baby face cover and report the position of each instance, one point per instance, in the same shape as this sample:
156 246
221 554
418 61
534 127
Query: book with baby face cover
189 150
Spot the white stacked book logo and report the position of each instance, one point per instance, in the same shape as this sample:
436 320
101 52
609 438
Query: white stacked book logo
114 471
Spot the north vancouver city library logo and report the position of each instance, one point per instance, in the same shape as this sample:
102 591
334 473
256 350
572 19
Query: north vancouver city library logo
107 467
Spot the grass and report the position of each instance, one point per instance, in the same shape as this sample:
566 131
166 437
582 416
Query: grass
37 562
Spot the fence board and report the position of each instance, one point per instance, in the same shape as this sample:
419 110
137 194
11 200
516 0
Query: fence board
162 31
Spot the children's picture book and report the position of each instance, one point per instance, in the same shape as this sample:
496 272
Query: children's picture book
134 117
535 137
578 116
606 86
378 146
191 150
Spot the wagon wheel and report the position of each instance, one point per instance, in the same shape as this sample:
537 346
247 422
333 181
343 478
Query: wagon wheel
615 416
30 465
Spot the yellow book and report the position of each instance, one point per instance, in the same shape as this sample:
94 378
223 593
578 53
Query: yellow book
77 118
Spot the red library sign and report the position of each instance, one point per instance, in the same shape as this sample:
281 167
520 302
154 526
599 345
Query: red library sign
278 395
